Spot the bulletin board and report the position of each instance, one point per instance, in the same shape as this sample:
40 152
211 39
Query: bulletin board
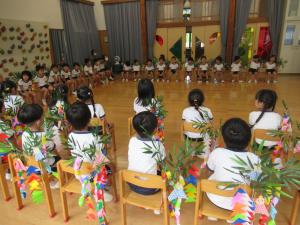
23 45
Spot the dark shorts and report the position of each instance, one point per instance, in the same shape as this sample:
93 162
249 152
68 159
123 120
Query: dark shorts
74 78
160 72
52 83
270 71
253 71
102 70
204 71
136 72
173 71
67 79
44 86
149 72
193 139
236 72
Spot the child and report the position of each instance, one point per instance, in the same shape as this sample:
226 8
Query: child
54 76
265 117
12 101
88 72
203 70
99 69
189 69
66 76
218 70
108 69
173 68
237 135
197 112
235 69
42 82
85 95
149 69
254 67
136 67
145 124
79 116
161 67
25 87
146 95
126 71
76 77
271 67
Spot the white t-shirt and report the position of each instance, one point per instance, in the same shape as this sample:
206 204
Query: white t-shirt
219 67
99 110
236 67
203 67
136 68
139 161
13 103
66 75
126 68
80 140
189 67
52 76
269 121
88 70
41 81
160 67
254 65
270 66
97 67
173 66
75 73
24 86
190 115
219 161
149 68
137 107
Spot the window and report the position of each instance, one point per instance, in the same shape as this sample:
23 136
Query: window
289 35
293 8
188 40
170 11
205 10
259 8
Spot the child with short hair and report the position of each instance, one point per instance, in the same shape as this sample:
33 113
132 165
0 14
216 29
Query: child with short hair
161 69
12 101
235 69
76 77
265 117
149 69
79 116
136 67
218 70
253 69
66 76
189 69
146 95
108 69
203 69
174 67
272 73
197 112
145 124
54 76
25 87
88 72
237 135
126 71
42 81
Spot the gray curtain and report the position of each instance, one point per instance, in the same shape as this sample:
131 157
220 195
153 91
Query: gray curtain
59 46
276 8
224 13
152 13
123 22
241 17
80 29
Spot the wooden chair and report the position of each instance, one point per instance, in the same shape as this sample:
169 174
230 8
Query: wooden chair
188 127
3 183
295 209
45 178
153 202
131 130
263 134
205 207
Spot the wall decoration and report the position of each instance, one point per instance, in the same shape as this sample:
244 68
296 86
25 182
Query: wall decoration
159 39
176 49
23 44
213 37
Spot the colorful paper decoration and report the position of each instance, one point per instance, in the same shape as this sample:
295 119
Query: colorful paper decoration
20 169
176 49
260 207
159 39
213 37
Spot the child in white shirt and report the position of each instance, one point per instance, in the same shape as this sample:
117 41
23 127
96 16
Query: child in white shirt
76 77
173 67
145 124
253 69
136 67
88 72
42 81
203 70
54 76
265 117
149 69
197 113
146 95
235 69
12 101
25 87
189 69
126 71
218 70
237 135
160 69
66 76
271 67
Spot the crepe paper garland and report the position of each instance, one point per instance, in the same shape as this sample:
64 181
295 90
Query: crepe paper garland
260 207
263 220
100 181
20 170
286 123
34 183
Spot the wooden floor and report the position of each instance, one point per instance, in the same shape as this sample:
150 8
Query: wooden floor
225 100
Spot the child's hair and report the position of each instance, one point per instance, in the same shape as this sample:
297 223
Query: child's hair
161 58
127 63
9 86
59 93
87 60
273 56
236 134
65 65
145 92
29 113
219 58
26 72
149 60
145 124
84 93
135 61
76 64
173 57
255 57
196 99
39 67
54 66
78 115
236 58
190 59
203 57
268 98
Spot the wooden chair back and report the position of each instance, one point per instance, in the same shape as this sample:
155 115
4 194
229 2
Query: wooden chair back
131 130
295 209
263 134
97 122
3 183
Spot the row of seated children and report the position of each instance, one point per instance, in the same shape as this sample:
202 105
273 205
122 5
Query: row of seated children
235 132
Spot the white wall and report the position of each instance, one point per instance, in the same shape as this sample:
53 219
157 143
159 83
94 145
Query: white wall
47 11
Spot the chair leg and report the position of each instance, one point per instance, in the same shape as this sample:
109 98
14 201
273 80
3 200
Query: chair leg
114 187
295 209
123 213
166 213
49 197
197 205
3 184
63 197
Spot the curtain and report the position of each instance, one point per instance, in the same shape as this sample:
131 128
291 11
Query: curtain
152 12
59 46
224 13
241 17
80 30
123 22
276 8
